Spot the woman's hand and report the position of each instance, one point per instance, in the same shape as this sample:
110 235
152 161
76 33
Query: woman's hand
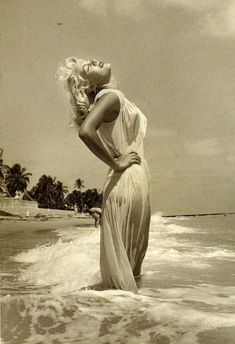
126 160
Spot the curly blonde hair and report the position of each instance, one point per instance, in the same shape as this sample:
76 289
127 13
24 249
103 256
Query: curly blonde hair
75 85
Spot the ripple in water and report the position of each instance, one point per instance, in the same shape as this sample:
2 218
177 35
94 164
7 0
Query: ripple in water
184 296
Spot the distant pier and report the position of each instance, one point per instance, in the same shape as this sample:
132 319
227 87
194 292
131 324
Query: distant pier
200 214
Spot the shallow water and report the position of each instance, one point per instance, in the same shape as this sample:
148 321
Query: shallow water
186 293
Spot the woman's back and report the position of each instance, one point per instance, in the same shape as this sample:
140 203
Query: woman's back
126 133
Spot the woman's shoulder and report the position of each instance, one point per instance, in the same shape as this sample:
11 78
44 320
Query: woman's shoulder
109 102
110 96
104 91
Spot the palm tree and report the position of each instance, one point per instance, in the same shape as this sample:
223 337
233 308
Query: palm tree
92 198
16 179
49 193
3 171
60 191
73 198
1 164
79 185
43 192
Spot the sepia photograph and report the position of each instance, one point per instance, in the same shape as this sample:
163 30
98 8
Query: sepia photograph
117 172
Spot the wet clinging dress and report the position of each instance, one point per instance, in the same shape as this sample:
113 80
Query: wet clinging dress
125 209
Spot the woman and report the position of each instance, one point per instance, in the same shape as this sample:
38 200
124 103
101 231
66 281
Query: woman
113 129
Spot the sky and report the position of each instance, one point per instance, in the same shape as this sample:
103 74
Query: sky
173 58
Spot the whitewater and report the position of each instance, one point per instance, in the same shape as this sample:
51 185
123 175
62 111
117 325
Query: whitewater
51 291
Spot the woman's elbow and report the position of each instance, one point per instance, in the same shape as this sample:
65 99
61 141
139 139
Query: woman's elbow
84 133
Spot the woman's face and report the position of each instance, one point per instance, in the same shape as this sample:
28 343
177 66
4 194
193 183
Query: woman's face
96 72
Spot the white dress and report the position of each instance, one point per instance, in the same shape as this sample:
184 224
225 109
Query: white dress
126 208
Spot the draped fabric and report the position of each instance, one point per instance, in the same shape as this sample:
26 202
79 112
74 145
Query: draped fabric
126 208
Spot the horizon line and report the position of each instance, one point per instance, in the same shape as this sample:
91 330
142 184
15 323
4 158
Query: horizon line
199 214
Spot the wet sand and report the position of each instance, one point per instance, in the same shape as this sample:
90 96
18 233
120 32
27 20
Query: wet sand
33 223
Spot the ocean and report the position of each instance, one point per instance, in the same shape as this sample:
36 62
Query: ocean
50 286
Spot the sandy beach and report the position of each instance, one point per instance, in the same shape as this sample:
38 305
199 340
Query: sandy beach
43 223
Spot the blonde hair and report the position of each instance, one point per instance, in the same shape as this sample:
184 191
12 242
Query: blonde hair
75 85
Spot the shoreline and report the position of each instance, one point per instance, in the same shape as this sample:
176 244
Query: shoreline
53 221
44 223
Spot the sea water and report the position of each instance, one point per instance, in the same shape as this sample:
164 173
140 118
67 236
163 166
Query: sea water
51 294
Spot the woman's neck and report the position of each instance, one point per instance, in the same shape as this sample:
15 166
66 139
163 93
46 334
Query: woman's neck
112 84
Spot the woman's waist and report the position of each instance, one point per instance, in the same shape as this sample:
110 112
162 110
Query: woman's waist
135 177
140 169
134 147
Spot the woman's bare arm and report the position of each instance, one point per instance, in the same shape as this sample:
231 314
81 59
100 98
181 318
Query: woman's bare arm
105 110
107 105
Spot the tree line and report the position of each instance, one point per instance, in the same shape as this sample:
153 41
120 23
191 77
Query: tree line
48 192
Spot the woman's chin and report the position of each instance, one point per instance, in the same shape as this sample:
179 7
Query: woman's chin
108 65
106 79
